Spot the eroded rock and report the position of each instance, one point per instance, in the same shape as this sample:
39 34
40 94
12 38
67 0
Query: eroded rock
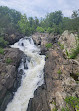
9 64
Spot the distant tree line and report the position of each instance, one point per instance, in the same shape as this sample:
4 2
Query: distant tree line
13 21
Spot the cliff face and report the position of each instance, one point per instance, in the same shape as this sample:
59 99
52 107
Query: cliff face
9 63
60 78
10 60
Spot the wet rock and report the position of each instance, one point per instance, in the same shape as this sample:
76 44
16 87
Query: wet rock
9 64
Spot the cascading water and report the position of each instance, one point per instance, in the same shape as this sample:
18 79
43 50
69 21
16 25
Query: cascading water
32 78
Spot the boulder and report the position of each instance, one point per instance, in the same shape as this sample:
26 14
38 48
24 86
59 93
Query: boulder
12 38
69 40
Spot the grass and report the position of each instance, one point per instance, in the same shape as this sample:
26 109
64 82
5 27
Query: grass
77 73
54 103
65 109
73 102
67 53
55 109
61 45
59 71
74 52
1 51
8 60
49 45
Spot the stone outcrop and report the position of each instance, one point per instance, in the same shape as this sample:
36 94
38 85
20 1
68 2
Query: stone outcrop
12 38
44 38
61 80
69 40
9 63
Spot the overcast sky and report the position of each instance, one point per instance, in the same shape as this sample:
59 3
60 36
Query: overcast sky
39 8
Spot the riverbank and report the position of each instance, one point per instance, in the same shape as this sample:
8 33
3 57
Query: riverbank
60 74
10 60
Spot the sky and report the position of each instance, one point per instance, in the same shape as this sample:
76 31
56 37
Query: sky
40 8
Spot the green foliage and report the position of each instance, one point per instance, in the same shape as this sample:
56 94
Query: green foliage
72 101
3 43
8 60
8 19
65 109
12 21
67 53
59 71
1 51
77 73
61 45
50 30
49 45
46 56
74 52
40 29
55 109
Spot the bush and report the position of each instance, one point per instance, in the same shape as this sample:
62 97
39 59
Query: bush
3 43
1 51
40 29
49 45
50 30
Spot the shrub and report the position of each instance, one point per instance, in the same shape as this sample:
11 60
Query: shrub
67 52
40 29
74 52
3 43
49 45
8 60
61 45
65 109
50 30
1 51
72 101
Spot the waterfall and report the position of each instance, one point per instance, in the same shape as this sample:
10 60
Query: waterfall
32 77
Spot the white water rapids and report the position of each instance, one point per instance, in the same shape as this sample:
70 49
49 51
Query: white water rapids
32 78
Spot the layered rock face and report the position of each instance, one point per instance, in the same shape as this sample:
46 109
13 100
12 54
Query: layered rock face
60 81
9 63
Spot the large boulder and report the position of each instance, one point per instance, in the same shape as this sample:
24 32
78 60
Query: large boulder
69 40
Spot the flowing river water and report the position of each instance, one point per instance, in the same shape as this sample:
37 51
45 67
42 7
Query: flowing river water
32 77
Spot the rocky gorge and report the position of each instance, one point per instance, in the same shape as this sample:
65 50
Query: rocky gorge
61 74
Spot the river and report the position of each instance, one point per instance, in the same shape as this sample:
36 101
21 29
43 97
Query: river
32 77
